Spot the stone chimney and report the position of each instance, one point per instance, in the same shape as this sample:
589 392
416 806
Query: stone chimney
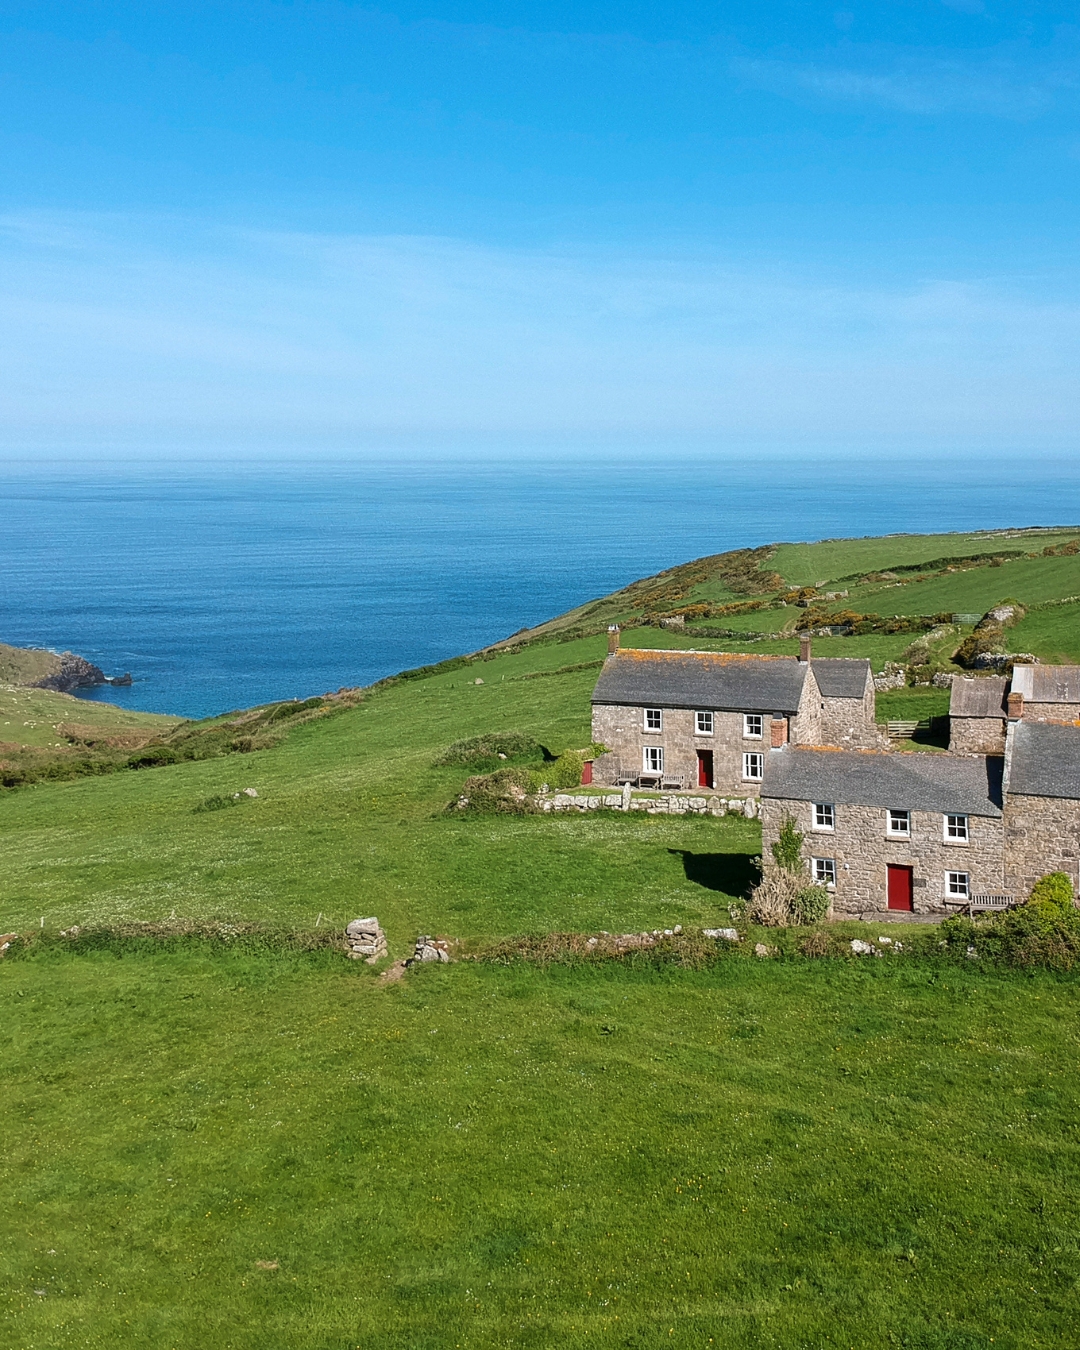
779 732
1016 706
612 639
805 643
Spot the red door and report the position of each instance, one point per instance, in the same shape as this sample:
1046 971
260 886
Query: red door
901 888
704 768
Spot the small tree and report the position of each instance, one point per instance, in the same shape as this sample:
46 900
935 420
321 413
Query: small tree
787 851
1052 896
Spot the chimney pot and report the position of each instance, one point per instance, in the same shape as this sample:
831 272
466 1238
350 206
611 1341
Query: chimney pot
805 643
612 639
1016 706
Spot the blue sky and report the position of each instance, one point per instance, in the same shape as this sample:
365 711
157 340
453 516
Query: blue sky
468 226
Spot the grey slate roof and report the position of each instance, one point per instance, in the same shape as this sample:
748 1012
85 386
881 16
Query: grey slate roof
841 676
978 697
672 679
1047 684
960 784
1044 760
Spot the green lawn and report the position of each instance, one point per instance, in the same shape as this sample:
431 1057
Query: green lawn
766 1154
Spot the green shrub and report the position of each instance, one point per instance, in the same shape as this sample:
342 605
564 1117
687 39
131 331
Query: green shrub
1052 896
284 710
1027 936
811 905
787 851
505 792
565 772
153 755
481 752
218 803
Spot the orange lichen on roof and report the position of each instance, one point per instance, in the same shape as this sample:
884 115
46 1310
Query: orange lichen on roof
719 658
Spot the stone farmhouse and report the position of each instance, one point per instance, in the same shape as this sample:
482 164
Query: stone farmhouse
918 831
684 719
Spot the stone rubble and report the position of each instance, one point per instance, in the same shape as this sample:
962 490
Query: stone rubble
728 934
430 949
367 941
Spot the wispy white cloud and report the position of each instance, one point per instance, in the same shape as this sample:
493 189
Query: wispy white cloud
120 330
1005 82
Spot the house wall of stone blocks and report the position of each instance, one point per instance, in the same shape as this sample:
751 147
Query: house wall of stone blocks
862 849
1042 834
977 735
849 723
622 730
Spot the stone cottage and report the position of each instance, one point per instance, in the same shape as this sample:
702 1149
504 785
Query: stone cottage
1049 693
707 719
890 830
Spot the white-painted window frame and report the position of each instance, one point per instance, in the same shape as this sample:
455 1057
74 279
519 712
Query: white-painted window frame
749 755
654 753
891 830
823 872
824 817
958 833
704 723
757 719
657 714
958 885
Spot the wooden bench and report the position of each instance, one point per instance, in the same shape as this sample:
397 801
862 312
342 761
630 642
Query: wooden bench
982 904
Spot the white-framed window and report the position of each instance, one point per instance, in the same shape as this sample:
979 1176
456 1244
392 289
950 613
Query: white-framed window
957 886
753 766
652 759
823 870
704 723
956 829
824 816
654 719
899 825
753 725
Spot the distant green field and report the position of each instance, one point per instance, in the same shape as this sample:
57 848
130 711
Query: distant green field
1052 634
31 717
813 564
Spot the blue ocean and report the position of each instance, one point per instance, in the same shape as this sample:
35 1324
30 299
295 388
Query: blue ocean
224 586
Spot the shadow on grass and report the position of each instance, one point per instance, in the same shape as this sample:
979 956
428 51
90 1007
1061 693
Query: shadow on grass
732 873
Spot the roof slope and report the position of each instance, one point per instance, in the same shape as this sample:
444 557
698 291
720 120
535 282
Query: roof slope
973 697
1047 684
680 679
841 676
1044 760
964 784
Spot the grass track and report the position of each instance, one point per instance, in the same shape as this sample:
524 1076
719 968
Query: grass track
793 1154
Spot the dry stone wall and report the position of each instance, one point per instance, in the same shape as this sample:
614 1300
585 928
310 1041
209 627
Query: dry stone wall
862 850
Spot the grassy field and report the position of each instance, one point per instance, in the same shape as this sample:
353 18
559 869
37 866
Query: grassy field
238 1150
34 716
221 1147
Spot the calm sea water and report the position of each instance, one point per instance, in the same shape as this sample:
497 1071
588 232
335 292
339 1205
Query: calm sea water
222 587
